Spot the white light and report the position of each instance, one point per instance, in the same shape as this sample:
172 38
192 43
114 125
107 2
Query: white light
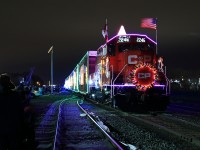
51 49
122 31
90 82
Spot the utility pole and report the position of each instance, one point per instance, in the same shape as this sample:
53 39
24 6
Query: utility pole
51 51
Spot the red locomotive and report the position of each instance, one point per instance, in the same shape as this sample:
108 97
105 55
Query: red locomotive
125 70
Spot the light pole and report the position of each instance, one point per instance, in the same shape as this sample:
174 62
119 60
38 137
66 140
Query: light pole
51 51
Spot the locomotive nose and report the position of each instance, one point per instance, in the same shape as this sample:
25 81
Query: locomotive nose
144 76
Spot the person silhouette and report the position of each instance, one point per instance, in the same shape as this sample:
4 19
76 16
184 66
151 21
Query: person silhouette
11 115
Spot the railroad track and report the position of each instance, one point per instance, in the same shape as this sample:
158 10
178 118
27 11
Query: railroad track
175 127
68 126
183 129
45 131
144 131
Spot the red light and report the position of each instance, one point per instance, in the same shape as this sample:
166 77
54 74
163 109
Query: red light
144 76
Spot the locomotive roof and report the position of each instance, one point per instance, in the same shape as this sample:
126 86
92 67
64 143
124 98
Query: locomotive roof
114 39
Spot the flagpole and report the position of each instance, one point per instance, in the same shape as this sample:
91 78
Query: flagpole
151 23
156 37
51 51
106 30
52 71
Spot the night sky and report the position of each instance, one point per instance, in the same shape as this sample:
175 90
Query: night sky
30 27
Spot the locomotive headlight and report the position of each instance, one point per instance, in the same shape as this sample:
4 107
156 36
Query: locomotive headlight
93 95
90 82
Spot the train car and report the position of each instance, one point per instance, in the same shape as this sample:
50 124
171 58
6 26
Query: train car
78 80
128 72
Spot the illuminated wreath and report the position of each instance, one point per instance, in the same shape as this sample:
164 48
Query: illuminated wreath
144 76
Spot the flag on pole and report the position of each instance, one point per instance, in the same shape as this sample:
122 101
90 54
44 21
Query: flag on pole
105 31
149 23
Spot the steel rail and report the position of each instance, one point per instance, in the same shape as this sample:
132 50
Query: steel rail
55 137
113 142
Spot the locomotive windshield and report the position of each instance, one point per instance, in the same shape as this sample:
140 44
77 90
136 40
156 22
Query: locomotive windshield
138 46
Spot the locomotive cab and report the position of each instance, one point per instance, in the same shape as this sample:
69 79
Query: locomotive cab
129 65
125 71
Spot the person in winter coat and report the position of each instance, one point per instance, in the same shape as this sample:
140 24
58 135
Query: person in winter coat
11 115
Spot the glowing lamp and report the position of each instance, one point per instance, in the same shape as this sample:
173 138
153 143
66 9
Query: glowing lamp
122 31
90 82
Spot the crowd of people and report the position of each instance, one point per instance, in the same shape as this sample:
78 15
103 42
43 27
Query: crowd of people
16 116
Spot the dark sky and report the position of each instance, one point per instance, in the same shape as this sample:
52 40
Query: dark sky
30 27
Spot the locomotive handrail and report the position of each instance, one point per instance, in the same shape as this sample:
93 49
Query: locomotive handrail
168 88
117 77
168 91
111 94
